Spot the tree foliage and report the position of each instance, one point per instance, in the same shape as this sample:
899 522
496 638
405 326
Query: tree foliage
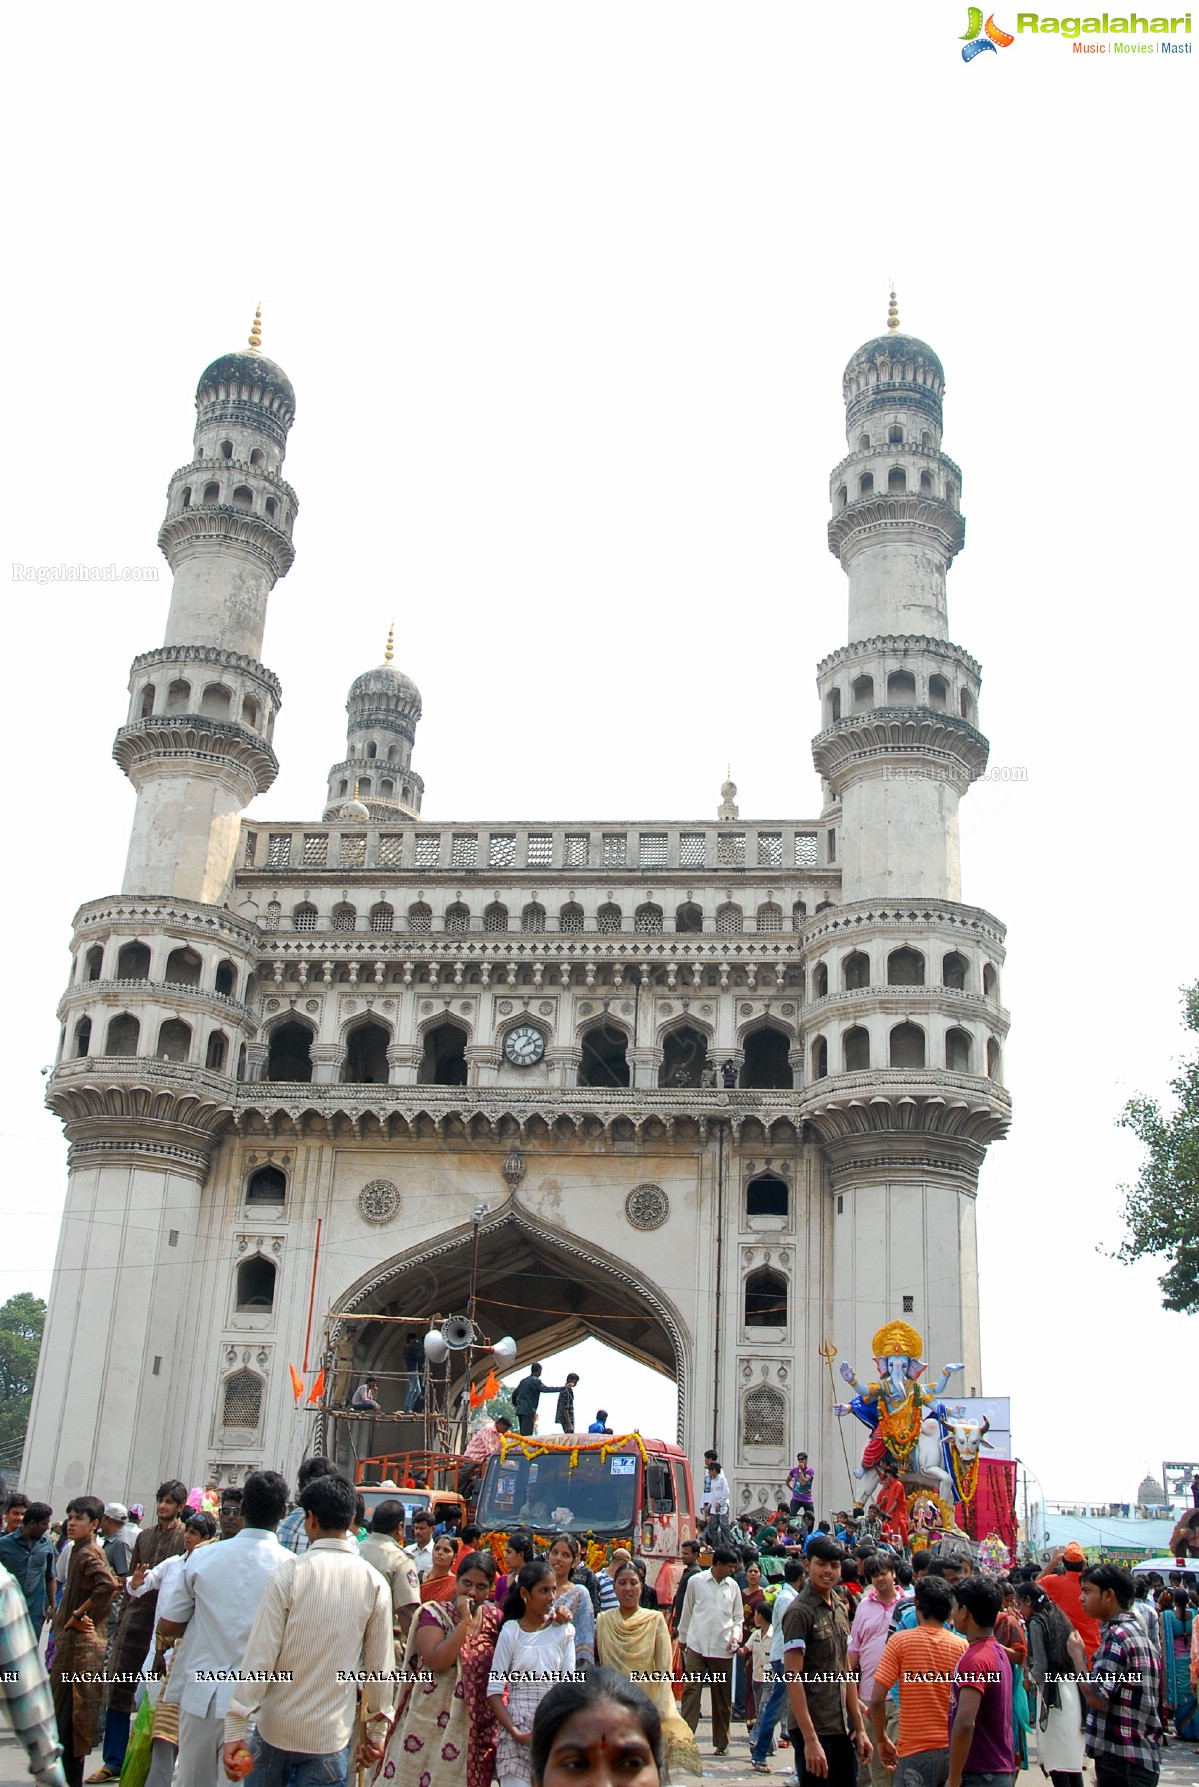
1161 1210
22 1319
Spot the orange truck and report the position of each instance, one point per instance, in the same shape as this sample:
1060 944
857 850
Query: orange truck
607 1489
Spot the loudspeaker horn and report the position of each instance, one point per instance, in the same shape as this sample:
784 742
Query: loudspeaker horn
458 1333
504 1351
436 1349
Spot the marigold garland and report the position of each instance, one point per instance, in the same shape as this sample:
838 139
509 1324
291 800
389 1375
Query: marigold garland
532 1448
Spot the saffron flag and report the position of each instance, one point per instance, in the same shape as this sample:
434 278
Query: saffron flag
476 1397
297 1384
491 1385
318 1389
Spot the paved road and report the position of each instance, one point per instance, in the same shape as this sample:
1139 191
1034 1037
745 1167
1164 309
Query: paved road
1180 1765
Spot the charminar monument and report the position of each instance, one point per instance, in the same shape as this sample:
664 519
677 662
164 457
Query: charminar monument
715 1090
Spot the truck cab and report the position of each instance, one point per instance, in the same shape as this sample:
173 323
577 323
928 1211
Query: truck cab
617 1490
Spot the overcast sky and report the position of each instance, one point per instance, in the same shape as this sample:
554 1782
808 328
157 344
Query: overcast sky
566 292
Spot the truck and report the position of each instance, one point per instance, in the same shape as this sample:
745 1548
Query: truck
606 1489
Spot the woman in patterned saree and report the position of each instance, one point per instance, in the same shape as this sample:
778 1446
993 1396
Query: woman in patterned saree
430 1737
634 1641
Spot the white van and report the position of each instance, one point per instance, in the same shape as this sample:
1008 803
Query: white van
1163 1565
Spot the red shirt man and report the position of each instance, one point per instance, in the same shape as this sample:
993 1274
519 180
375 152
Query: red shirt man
1066 1592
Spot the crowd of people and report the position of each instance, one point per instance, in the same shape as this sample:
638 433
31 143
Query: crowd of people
295 1641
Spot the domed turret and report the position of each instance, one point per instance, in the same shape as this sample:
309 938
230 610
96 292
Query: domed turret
384 707
246 387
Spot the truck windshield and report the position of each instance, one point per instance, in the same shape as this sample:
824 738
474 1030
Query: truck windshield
598 1496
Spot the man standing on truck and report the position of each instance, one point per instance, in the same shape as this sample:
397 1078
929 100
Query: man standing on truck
564 1414
528 1394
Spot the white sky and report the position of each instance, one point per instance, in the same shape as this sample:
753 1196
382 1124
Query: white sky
566 292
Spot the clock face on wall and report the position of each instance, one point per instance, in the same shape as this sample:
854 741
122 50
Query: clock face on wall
524 1045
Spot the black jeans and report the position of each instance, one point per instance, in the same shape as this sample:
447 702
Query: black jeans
1114 1771
841 1756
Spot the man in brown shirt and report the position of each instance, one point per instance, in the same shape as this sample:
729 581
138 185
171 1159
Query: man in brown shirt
80 1624
828 1729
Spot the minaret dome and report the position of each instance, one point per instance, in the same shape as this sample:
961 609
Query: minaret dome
383 709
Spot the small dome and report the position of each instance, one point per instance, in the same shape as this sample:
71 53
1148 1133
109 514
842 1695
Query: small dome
898 347
247 367
354 809
387 681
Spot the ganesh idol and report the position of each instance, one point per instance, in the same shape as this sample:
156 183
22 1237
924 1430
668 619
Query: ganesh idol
895 1407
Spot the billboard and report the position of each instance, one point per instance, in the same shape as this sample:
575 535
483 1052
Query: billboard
996 1409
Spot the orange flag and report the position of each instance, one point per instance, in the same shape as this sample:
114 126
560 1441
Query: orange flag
491 1386
297 1383
318 1389
477 1398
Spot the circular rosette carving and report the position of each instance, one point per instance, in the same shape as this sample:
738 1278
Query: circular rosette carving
379 1201
647 1207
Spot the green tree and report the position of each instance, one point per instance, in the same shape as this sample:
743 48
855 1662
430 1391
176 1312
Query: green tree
502 1405
22 1319
1161 1210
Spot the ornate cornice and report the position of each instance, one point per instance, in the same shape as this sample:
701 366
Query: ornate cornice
894 450
209 654
160 992
843 924
203 462
164 912
221 524
879 514
138 1151
900 645
848 1003
163 740
901 737
909 1100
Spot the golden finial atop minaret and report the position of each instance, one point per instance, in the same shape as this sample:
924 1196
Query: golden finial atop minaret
893 312
256 330
389 652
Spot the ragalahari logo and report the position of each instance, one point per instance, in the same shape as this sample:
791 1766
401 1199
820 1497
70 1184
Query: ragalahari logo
974 42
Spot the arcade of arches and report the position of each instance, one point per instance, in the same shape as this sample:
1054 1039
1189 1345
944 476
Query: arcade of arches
603 1057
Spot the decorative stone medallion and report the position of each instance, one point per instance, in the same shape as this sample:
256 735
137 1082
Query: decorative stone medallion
546 1008
647 1207
312 1005
788 1011
747 1011
379 1201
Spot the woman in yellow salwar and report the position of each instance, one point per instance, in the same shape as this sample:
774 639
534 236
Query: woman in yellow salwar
635 1641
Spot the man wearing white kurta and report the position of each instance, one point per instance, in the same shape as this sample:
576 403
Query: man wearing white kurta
213 1601
709 1632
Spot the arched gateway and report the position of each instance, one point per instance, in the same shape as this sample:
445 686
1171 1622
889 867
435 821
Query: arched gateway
545 1288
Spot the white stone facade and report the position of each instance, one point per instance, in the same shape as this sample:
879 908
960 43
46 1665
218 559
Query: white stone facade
725 1087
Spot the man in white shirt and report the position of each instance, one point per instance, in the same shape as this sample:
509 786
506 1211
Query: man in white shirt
324 1620
421 1550
715 1496
709 1632
210 1607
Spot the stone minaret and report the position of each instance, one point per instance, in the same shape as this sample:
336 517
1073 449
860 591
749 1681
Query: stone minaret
197 746
383 708
909 1027
156 1017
